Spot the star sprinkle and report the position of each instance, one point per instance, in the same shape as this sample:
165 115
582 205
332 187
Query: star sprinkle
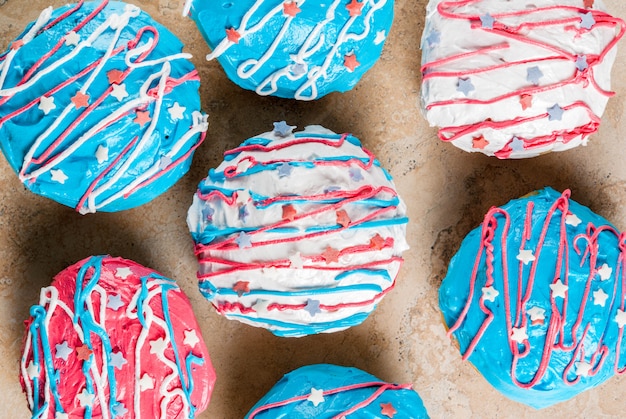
243 240
207 213
243 197
479 143
465 86
572 219
291 9
102 154
526 101
83 353
62 350
380 37
433 38
316 397
605 272
518 334
298 69
72 39
58 176
355 174
282 129
146 383
241 287
115 76
158 347
490 293
142 118
354 7
85 398
599 297
15 45
176 111
526 256
123 273
233 36
80 100
558 289
620 318
118 360
295 261
164 162
537 315
119 91
331 255
119 409
284 169
289 212
581 63
533 74
588 3
582 368
377 242
350 62
114 302
312 307
261 307
343 218
388 410
555 113
191 338
586 20
487 21
517 144
46 104
32 370
243 213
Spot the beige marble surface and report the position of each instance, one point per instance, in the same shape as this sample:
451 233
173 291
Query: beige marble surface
447 192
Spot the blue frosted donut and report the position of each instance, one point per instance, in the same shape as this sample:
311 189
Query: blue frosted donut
294 49
535 299
99 109
326 391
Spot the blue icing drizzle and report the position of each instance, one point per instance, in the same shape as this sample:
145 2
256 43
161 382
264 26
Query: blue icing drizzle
350 387
554 369
153 154
305 56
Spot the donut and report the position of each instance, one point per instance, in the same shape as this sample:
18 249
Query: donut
110 339
99 108
517 79
535 298
294 49
330 391
300 233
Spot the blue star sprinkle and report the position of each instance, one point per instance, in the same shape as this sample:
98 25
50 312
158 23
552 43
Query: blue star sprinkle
243 213
281 129
118 360
355 174
119 409
284 169
243 240
586 20
533 75
517 144
433 38
312 307
465 86
555 113
581 63
207 213
298 69
487 21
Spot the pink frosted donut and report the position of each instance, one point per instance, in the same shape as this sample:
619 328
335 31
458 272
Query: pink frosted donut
111 338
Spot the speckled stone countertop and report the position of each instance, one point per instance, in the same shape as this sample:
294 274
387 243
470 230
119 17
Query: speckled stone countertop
447 191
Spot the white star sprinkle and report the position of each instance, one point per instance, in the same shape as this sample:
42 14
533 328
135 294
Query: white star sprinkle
620 318
518 334
63 350
114 302
158 347
582 368
537 314
599 297
261 306
72 39
118 360
146 383
85 398
490 294
123 273
605 272
316 397
295 261
119 91
102 154
176 111
191 338
243 197
32 370
58 176
573 220
558 289
46 104
526 256
380 37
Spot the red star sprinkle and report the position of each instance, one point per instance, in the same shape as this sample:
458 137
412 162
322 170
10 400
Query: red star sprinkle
80 100
233 35
83 353
17 44
350 62
480 142
291 9
115 76
142 118
343 218
354 8
388 410
526 101
331 255
377 242
241 287
588 3
289 212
